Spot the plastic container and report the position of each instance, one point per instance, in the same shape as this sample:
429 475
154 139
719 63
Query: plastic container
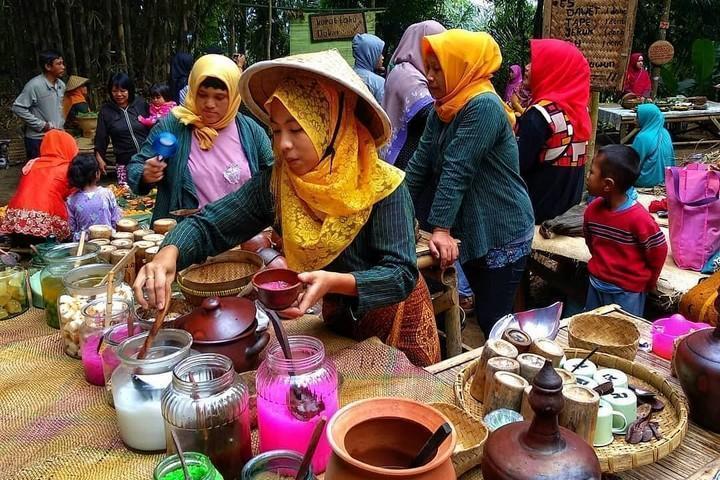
281 423
199 466
137 386
114 336
60 260
666 330
92 332
207 406
275 464
80 290
14 298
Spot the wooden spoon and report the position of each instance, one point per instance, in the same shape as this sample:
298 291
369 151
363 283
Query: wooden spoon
312 446
181 455
429 450
155 328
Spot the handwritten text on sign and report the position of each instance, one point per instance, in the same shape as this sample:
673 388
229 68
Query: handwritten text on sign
602 30
344 26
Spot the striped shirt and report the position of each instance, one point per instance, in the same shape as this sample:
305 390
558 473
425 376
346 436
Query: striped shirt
473 162
628 248
382 256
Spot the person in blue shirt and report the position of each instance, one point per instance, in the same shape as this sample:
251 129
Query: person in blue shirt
368 53
654 146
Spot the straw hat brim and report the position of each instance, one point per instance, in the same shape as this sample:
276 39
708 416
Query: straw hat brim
75 82
260 81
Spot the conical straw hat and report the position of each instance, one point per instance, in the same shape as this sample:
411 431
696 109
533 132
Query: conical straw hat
75 82
259 82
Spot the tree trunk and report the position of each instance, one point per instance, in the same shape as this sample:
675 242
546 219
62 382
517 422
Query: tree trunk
242 29
269 32
151 24
233 34
127 20
70 42
538 20
108 27
57 34
119 23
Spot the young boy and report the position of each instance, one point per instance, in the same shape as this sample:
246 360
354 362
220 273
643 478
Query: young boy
627 247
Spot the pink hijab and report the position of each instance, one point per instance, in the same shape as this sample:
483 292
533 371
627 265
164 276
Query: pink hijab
406 91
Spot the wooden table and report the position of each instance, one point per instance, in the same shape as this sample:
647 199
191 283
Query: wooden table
699 455
445 301
672 284
622 119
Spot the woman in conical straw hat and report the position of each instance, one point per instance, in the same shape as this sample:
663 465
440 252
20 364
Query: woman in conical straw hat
346 217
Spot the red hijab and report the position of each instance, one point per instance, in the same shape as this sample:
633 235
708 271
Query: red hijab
637 80
560 74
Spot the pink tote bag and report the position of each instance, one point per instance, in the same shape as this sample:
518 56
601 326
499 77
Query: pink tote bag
693 194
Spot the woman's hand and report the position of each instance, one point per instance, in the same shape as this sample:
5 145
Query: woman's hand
444 247
156 277
153 170
318 284
101 163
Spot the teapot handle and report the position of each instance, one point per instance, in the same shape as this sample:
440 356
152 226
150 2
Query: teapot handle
259 345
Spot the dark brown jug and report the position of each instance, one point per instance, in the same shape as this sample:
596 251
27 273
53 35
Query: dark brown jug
540 448
697 363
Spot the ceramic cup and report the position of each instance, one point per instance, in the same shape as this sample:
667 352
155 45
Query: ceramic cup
587 369
618 378
624 401
585 381
604 427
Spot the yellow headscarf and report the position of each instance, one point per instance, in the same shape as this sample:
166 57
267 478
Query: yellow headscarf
322 211
226 71
468 61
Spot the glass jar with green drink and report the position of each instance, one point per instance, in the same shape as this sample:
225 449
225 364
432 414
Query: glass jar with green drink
60 260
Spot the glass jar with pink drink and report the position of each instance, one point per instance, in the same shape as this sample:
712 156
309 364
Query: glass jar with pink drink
292 396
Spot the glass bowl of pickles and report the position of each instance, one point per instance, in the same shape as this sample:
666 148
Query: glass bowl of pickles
14 298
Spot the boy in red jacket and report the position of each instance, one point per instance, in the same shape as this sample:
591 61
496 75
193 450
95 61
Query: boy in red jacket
627 247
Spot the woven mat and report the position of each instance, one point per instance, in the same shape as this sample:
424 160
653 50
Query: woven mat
55 425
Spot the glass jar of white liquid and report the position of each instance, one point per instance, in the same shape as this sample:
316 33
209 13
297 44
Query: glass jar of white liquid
137 386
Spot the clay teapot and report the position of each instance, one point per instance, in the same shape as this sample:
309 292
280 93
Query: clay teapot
376 439
540 448
697 363
227 326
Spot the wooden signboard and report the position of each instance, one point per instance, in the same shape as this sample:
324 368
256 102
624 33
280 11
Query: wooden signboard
601 29
344 26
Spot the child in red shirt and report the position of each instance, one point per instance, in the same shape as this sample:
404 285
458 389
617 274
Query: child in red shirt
627 247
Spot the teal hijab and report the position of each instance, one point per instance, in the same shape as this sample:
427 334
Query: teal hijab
653 145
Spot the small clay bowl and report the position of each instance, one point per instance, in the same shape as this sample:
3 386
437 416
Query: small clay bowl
277 298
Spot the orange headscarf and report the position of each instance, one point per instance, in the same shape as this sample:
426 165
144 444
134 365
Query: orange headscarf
468 61
58 148
71 98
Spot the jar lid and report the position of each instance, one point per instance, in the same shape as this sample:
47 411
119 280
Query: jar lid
220 319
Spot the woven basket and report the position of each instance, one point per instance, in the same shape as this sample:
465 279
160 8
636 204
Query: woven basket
618 456
612 335
226 275
471 436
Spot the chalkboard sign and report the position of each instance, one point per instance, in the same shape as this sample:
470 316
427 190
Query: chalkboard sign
601 29
325 28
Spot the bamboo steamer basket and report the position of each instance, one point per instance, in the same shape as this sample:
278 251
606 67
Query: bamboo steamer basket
471 436
618 456
127 225
612 335
99 231
164 225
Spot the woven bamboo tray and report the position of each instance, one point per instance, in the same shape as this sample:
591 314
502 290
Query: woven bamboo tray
618 456
471 436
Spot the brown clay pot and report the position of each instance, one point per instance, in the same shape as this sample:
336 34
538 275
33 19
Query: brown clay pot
370 435
540 448
697 363
227 326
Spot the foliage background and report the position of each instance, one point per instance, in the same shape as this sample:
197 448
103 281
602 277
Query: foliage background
98 37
